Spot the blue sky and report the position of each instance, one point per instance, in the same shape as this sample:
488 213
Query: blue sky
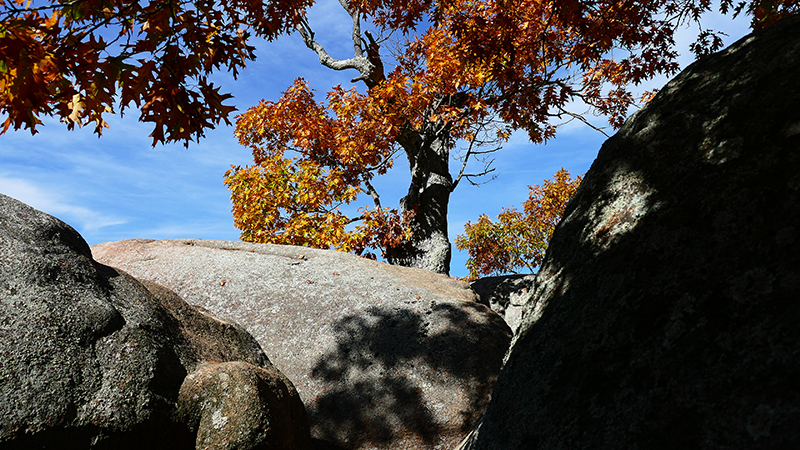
118 186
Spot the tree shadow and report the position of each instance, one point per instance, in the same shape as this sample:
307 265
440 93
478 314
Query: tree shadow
394 372
497 292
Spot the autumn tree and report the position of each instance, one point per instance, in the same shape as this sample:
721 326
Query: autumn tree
465 71
518 239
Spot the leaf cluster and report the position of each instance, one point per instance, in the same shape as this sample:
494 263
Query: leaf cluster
518 239
310 158
540 56
78 59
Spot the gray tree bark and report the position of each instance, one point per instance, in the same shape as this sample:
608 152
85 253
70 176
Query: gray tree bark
428 198
428 154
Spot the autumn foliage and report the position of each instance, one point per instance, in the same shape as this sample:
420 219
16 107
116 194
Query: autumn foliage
309 159
518 239
80 60
463 74
460 77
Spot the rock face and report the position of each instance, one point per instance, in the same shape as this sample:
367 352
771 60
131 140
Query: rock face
505 295
666 314
383 356
92 358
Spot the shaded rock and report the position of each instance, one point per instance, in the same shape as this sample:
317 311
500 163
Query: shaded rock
505 295
239 405
92 358
666 312
382 356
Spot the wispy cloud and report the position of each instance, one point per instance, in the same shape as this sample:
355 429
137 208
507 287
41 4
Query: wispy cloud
200 230
53 203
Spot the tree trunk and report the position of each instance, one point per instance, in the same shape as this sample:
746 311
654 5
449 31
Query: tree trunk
428 197
428 156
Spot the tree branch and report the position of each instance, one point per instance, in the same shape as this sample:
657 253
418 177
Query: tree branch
469 176
487 169
324 58
373 193
369 66
582 119
386 161
375 198
471 150
357 50
463 166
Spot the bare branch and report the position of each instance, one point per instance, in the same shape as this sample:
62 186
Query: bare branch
374 64
472 150
470 176
357 49
463 165
487 166
369 66
375 198
582 119
373 193
324 58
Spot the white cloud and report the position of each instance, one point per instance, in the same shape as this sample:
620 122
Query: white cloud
53 203
202 230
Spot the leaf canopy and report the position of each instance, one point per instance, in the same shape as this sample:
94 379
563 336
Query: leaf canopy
465 71
82 59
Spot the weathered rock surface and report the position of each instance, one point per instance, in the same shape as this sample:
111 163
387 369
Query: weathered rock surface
666 314
505 295
92 358
383 356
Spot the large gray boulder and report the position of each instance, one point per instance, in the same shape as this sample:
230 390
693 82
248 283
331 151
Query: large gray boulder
666 312
92 358
383 356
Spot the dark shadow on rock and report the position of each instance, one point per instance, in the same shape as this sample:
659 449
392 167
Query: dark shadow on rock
506 295
321 444
495 292
668 300
392 369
